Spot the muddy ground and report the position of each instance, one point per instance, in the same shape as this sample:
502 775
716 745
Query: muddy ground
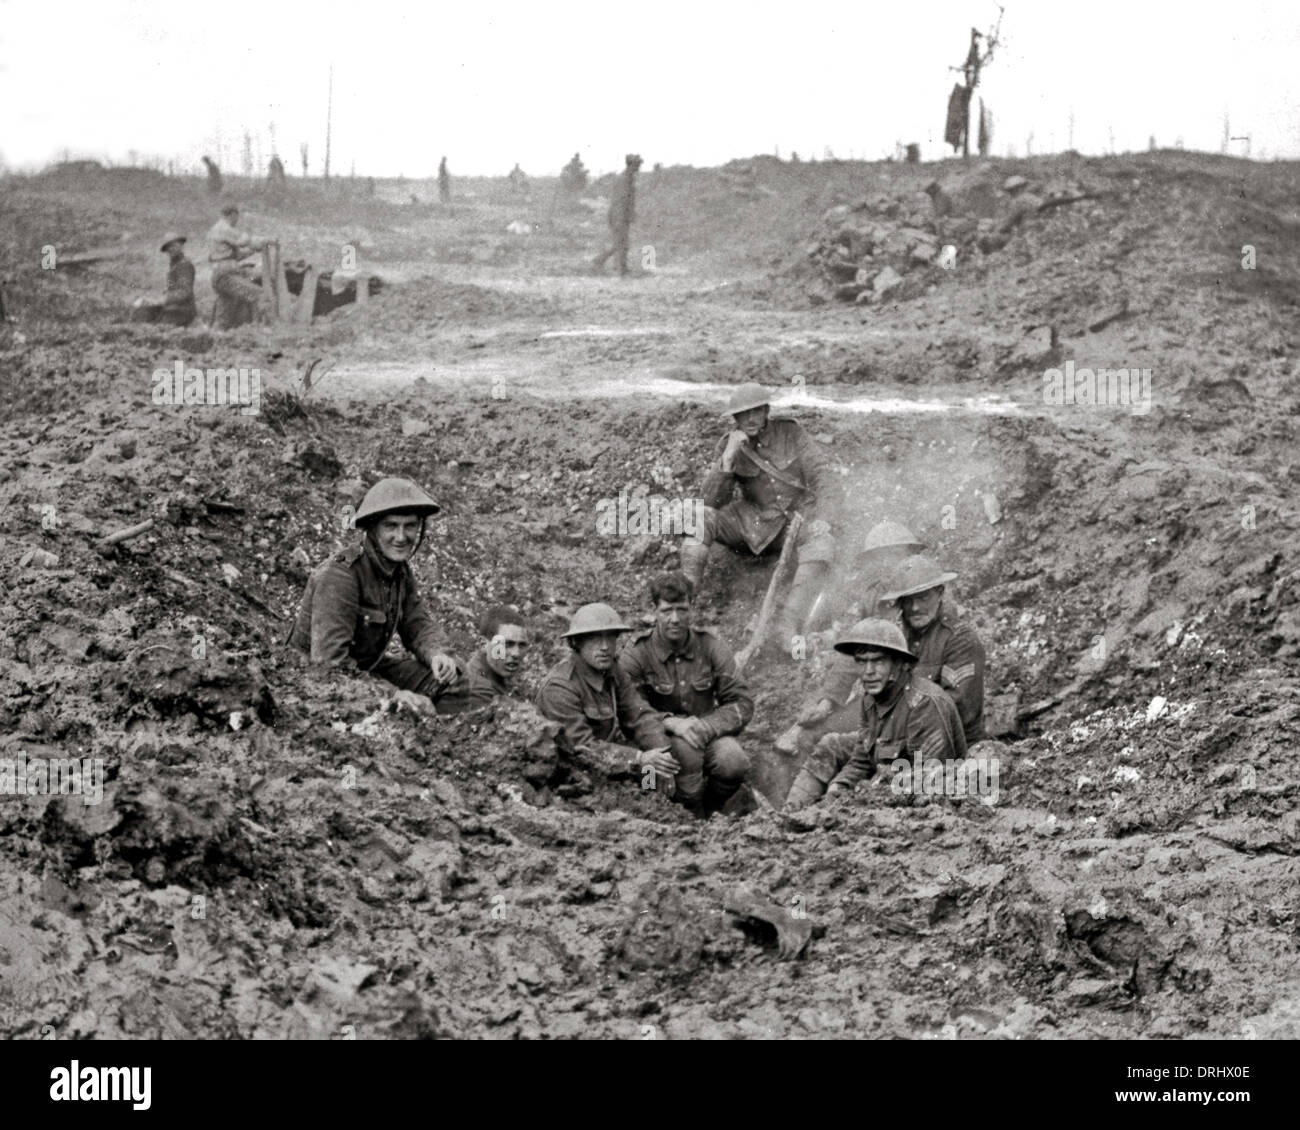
276 855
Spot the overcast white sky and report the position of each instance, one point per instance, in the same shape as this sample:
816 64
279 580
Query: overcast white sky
697 82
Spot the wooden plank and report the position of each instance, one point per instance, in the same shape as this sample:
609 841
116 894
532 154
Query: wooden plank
306 299
784 565
270 271
286 299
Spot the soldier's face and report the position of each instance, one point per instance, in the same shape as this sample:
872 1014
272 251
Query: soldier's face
876 669
920 609
505 651
396 535
598 649
674 619
752 420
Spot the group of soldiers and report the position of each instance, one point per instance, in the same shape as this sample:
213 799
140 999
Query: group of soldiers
239 300
670 706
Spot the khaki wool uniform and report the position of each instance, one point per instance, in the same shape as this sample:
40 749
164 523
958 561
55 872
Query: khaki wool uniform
915 717
482 684
600 708
699 680
791 473
948 653
353 605
757 519
178 308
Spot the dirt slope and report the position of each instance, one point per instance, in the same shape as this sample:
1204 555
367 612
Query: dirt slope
274 856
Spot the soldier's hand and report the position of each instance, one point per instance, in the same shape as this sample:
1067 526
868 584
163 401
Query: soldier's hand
660 760
818 712
694 731
410 700
735 442
818 528
443 668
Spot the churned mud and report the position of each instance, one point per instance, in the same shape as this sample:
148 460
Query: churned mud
275 853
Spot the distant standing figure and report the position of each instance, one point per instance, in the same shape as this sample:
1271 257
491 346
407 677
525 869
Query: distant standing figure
214 176
573 177
622 211
444 182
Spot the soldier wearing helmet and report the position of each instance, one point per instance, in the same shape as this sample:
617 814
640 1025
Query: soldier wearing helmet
886 545
177 307
902 715
600 710
361 596
948 650
690 674
778 469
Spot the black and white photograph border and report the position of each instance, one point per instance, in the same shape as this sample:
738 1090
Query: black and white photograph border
537 522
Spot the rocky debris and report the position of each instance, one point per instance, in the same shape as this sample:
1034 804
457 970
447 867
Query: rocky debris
164 677
867 250
1038 346
318 461
39 559
664 931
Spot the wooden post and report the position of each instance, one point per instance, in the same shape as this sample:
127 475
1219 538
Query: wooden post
784 565
363 289
307 298
270 278
285 304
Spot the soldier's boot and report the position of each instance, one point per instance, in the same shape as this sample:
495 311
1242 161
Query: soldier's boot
689 783
809 579
694 556
717 792
726 765
806 790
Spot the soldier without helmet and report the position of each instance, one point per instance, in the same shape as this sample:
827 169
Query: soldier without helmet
777 469
493 670
361 596
622 211
902 715
239 299
689 674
